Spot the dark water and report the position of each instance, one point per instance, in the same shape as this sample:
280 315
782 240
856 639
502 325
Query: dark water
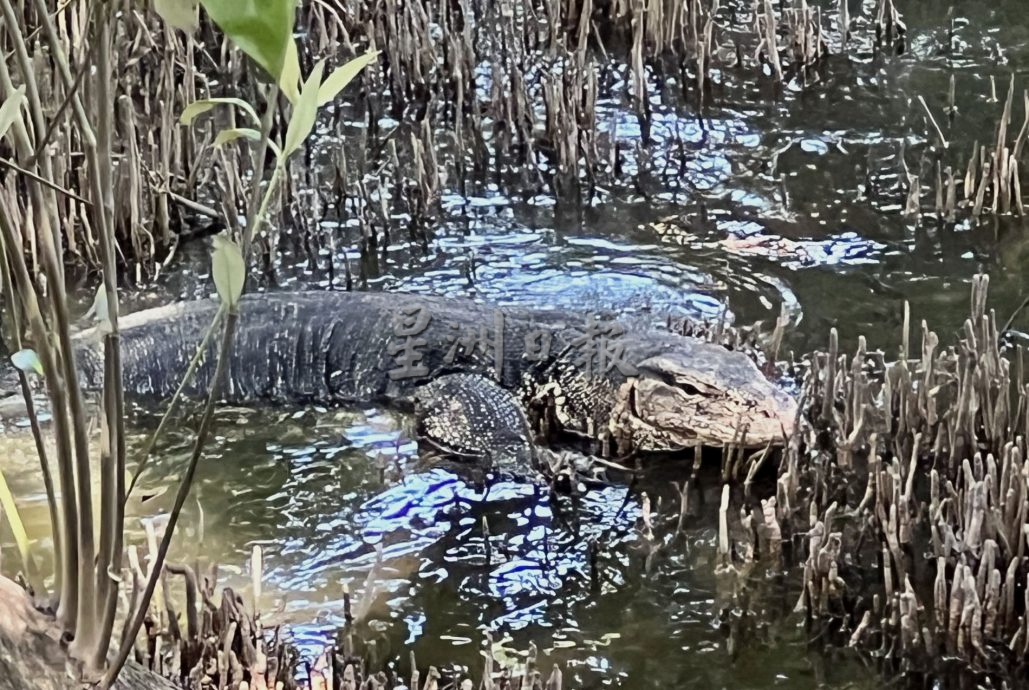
334 496
790 200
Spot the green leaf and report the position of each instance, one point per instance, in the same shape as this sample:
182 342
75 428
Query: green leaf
227 135
10 111
179 14
21 537
289 80
27 360
301 122
342 76
228 269
260 28
196 108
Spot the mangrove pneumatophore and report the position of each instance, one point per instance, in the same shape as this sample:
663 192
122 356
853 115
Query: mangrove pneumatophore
906 491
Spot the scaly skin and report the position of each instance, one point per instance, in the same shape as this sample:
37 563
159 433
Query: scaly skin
655 391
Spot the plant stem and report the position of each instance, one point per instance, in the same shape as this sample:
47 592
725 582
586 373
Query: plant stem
256 215
185 484
259 212
101 187
112 458
67 611
69 417
43 181
144 454
11 298
68 599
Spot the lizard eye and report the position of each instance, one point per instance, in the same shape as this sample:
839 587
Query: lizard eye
689 389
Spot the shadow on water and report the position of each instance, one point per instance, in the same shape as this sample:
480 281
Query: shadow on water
793 202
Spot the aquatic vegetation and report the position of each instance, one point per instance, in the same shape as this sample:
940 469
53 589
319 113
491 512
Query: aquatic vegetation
904 495
460 93
991 183
202 641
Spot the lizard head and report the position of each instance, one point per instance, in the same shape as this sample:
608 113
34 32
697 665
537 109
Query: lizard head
682 398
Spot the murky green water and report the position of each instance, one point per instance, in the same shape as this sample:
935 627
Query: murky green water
322 491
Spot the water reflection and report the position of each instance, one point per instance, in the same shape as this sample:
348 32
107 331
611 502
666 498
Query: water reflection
434 557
